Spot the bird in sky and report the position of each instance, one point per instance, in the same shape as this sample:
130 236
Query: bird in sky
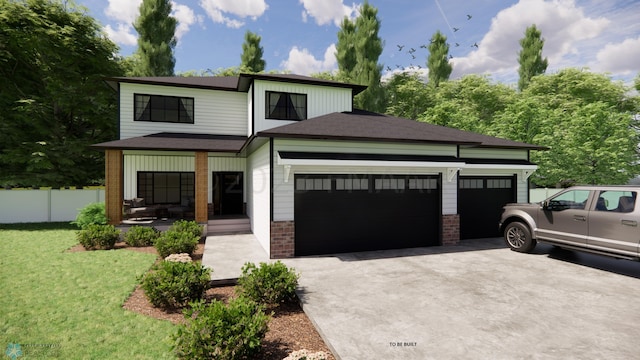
457 44
400 47
455 29
411 51
388 68
469 17
423 46
450 56
475 44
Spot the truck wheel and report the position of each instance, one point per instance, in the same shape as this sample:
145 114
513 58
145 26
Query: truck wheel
518 237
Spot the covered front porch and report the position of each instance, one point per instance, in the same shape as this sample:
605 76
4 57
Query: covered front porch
164 177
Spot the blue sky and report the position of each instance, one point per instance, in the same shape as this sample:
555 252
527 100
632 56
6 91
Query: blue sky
299 36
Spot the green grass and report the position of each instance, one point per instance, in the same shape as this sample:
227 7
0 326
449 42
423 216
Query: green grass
72 301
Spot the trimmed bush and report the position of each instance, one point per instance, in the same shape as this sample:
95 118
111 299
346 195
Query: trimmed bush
93 213
94 236
176 242
219 331
172 284
141 236
269 283
188 226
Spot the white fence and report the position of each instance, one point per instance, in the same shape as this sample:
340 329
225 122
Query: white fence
19 206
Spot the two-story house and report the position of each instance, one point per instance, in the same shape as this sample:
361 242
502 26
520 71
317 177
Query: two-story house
313 174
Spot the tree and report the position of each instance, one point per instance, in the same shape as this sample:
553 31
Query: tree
407 96
530 57
367 47
53 100
156 38
252 53
438 60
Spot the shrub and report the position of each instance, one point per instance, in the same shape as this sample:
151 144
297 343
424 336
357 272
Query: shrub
176 242
268 284
93 213
94 236
172 284
141 236
219 331
188 226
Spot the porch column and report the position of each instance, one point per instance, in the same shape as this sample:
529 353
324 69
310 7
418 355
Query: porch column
202 185
113 192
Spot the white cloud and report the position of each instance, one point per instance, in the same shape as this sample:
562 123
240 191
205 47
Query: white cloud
123 34
619 58
125 11
563 26
327 11
186 17
216 9
302 62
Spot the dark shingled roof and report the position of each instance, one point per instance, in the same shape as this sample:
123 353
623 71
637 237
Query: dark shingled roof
181 142
238 83
368 126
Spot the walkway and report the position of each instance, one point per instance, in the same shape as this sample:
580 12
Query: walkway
226 254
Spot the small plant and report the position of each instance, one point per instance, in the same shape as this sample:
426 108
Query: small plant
176 242
94 236
188 226
141 236
269 283
93 213
179 258
172 284
219 331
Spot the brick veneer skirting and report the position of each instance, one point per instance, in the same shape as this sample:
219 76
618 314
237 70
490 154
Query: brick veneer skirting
282 239
450 229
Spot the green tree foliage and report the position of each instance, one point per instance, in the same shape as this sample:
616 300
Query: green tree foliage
530 57
156 39
53 101
438 60
252 53
408 96
367 47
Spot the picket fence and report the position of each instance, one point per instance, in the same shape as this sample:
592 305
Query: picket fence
45 205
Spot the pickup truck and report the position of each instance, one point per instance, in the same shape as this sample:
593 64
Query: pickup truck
597 219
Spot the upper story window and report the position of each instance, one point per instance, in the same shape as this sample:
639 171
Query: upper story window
286 106
159 108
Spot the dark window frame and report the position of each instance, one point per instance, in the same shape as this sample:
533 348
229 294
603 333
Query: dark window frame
289 111
147 186
163 109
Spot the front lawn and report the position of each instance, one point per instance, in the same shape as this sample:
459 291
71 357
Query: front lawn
68 305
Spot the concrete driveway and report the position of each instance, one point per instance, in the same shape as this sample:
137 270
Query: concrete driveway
478 300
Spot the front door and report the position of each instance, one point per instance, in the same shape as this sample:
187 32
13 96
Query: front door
228 193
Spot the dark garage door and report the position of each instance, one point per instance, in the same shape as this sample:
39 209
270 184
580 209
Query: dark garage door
480 202
347 213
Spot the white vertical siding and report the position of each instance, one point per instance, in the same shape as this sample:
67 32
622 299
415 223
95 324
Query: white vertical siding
215 112
259 199
321 100
172 161
449 195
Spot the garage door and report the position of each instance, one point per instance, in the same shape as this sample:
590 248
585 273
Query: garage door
480 202
347 213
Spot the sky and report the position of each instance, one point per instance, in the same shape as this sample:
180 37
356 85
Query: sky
299 36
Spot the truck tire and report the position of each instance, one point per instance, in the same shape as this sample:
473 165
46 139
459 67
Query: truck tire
518 237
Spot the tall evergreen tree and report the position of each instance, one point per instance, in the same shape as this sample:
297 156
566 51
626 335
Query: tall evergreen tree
252 53
367 47
346 49
530 57
156 38
438 60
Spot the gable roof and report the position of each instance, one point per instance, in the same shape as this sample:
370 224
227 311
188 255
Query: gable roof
368 126
240 83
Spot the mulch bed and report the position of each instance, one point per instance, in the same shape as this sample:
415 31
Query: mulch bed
289 328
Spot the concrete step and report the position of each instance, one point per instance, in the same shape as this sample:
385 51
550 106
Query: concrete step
229 226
